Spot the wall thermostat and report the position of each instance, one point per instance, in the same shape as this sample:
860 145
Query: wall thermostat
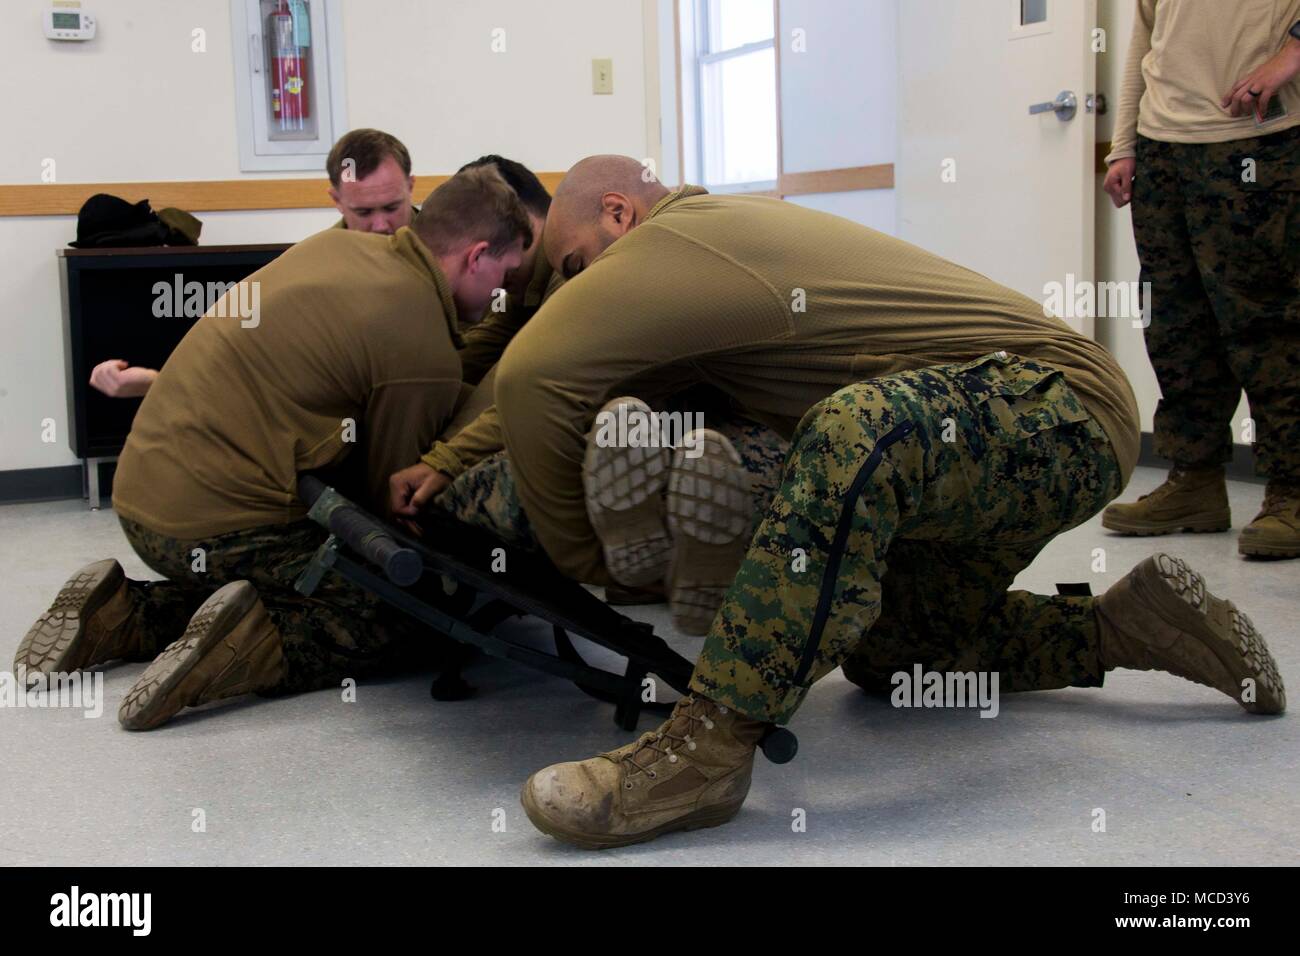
62 23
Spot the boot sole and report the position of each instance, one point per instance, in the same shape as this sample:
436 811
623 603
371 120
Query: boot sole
57 636
1180 594
709 511
698 820
1262 549
146 704
623 486
1208 525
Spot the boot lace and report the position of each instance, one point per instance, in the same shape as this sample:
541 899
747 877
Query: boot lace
679 731
1178 475
1278 501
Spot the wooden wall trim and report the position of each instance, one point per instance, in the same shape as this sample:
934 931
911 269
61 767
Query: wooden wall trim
65 199
845 180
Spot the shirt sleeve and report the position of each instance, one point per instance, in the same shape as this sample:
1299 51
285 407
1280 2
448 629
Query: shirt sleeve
1132 86
474 434
480 439
485 342
402 419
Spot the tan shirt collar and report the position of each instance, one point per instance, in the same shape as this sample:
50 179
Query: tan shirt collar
409 247
684 193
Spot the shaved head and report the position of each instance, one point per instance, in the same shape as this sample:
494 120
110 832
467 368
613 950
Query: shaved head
600 200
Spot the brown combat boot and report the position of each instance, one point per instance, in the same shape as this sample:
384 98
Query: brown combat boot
1160 617
694 771
1190 499
624 487
88 624
230 648
1275 532
709 512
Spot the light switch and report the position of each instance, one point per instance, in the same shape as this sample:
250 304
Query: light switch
602 76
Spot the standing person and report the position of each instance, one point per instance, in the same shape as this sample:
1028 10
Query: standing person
1207 149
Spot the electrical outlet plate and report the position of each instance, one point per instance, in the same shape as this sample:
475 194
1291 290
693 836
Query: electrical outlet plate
602 76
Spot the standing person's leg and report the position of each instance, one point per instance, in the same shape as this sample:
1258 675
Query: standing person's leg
255 634
1244 213
1000 452
1197 387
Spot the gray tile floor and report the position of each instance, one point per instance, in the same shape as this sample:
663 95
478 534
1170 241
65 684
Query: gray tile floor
1182 774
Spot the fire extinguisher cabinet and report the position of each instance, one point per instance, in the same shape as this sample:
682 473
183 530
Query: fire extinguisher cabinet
289 82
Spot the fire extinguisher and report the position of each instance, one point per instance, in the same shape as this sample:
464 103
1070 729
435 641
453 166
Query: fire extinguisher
289 106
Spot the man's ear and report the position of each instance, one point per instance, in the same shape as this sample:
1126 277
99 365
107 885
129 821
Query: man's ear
474 255
334 198
410 184
618 209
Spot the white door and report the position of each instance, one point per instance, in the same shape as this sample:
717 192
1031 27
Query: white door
980 179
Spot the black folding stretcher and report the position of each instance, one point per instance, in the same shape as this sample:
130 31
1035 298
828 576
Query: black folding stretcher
439 583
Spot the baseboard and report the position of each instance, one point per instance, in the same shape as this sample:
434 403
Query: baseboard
1241 468
53 484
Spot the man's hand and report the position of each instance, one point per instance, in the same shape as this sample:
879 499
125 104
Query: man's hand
116 379
410 489
1256 89
1119 181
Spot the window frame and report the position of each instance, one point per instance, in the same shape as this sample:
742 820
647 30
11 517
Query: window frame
704 56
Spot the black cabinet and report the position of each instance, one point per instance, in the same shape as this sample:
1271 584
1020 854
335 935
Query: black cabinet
108 312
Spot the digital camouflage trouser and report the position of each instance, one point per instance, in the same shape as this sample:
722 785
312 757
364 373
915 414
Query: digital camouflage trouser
1223 259
340 631
486 496
908 505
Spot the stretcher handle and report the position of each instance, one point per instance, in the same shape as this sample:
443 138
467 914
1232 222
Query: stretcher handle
359 531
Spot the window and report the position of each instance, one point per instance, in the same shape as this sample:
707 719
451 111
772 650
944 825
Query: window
730 98
1032 11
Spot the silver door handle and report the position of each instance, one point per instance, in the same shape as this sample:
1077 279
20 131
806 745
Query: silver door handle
1064 106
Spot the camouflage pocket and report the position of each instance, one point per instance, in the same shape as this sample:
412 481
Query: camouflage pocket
1247 214
1019 399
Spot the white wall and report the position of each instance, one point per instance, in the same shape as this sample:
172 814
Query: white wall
136 104
1116 253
